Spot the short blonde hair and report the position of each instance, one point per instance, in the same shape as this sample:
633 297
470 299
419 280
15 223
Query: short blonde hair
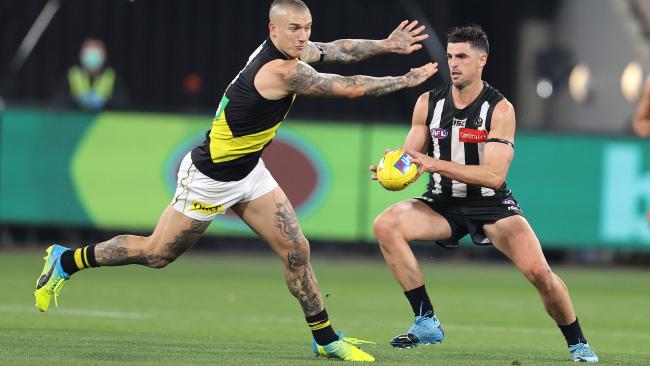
293 4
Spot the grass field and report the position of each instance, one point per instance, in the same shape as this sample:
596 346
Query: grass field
233 310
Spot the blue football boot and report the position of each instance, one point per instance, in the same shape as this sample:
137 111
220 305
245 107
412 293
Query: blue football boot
581 352
425 330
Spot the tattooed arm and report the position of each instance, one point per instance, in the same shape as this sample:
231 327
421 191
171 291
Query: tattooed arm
404 39
304 80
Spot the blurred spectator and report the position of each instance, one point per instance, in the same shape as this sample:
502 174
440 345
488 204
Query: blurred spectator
641 123
92 85
192 85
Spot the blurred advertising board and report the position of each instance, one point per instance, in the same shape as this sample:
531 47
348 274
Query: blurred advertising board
117 170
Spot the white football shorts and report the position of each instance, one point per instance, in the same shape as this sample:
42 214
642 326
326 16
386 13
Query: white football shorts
202 198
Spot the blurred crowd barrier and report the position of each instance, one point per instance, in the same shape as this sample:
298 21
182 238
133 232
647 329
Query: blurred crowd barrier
117 171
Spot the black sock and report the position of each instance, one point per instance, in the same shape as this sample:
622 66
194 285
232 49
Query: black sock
573 333
321 328
74 260
90 256
420 301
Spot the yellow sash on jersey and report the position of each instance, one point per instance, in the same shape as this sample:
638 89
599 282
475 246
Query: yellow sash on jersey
225 147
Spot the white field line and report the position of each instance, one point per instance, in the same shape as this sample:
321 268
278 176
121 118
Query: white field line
290 320
77 312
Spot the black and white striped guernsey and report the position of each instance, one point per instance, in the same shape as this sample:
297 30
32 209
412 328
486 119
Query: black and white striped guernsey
459 135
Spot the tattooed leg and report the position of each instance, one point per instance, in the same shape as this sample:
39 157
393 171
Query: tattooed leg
273 218
174 234
298 271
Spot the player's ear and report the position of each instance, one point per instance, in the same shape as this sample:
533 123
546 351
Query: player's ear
273 30
482 59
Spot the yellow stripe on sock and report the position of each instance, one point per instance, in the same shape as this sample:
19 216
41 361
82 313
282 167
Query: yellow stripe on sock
77 259
84 257
320 326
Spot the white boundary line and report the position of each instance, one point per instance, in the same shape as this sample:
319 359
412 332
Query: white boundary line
77 312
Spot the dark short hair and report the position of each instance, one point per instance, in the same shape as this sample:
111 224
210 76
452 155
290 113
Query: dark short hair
472 34
294 4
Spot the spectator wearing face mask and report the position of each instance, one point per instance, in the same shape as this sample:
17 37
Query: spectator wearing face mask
92 85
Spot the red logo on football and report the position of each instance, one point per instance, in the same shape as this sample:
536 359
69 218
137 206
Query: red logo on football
472 136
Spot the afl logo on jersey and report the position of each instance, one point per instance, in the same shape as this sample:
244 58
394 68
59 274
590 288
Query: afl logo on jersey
439 133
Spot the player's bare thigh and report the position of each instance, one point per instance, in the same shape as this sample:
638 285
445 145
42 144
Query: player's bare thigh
413 220
514 237
273 218
174 234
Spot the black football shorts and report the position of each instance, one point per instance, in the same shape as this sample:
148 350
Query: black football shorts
467 216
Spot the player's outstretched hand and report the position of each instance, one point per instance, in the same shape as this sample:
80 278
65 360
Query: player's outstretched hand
373 168
406 37
419 75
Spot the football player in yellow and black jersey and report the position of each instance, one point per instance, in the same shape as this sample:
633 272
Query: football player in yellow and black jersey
227 171
467 129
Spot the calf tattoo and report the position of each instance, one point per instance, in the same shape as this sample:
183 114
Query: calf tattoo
302 284
298 272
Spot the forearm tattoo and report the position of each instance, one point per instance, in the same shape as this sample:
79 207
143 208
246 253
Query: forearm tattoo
127 249
306 81
380 86
298 272
351 50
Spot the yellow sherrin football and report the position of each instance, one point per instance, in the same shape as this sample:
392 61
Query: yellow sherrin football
395 170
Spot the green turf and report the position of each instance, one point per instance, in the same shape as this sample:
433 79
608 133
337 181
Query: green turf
211 310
